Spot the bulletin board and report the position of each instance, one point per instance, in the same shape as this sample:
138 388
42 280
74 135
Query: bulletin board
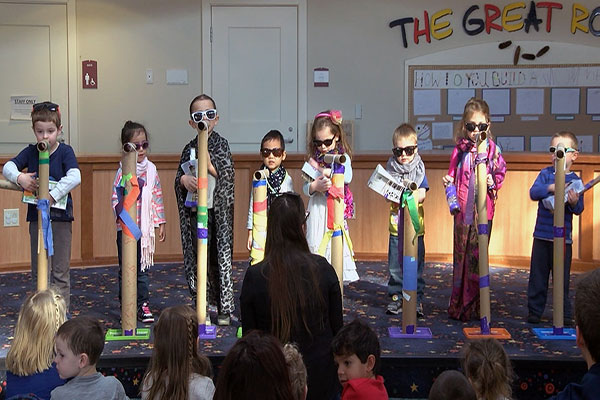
528 103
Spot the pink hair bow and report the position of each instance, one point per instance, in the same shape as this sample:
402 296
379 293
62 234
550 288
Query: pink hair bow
334 115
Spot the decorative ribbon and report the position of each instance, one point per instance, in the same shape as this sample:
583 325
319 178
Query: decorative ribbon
44 207
337 231
484 281
408 200
479 159
483 229
128 225
259 224
202 223
559 231
409 273
485 326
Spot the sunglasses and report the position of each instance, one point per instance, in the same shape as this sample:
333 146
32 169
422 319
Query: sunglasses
471 126
277 152
408 150
198 116
326 142
552 149
144 145
46 105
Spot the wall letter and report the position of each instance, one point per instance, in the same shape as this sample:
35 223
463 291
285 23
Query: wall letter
549 5
401 22
437 27
492 13
576 19
425 31
507 20
473 21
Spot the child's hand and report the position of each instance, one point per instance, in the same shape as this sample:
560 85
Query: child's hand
551 188
447 179
162 234
28 181
490 180
321 184
315 164
249 244
572 197
190 183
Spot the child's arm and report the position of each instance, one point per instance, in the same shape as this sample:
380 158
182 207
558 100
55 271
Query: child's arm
575 202
499 171
421 194
159 209
348 170
449 178
114 198
27 181
66 184
543 186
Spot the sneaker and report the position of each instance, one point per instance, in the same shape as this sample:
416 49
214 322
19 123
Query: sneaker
395 307
144 314
223 319
420 311
533 319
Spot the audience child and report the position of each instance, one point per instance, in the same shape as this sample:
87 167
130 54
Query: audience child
29 360
177 370
452 385
406 163
254 368
587 328
357 354
150 214
542 252
79 343
297 370
327 137
220 211
464 300
488 368
46 125
272 151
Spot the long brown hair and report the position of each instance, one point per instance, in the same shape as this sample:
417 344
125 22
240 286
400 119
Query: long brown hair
488 367
473 105
323 120
175 355
292 274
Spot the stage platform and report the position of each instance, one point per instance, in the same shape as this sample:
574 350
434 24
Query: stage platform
409 365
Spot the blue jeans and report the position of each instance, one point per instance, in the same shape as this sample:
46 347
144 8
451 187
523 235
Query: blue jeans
142 276
395 282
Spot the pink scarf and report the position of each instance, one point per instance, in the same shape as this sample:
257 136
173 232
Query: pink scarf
147 217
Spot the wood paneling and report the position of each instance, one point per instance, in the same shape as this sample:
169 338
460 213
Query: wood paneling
510 244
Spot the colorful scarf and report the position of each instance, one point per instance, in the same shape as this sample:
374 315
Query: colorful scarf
147 213
274 181
348 197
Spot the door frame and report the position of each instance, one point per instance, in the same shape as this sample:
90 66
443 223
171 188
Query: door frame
72 65
302 51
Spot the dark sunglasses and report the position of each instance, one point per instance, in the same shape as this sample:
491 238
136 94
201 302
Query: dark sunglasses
552 149
198 116
46 105
408 150
326 142
277 152
144 145
471 126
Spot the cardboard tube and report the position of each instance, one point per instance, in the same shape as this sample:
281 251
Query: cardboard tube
334 158
483 237
43 193
410 185
259 216
337 243
559 239
202 222
9 185
409 268
129 251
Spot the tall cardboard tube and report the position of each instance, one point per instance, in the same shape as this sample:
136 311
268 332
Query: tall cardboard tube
337 243
409 266
129 250
483 237
410 185
43 193
202 221
259 216
334 158
559 239
261 174
9 185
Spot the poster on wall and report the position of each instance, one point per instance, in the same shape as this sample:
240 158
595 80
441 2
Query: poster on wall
21 106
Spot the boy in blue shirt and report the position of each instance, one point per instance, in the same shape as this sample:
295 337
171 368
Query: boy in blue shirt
543 245
46 125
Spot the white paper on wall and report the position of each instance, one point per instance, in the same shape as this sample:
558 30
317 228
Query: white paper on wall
530 101
441 130
511 143
427 102
593 101
540 143
457 98
498 100
564 101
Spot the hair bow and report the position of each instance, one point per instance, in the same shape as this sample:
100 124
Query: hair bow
334 115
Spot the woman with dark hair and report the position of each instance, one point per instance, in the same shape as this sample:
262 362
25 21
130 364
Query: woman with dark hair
295 295
254 368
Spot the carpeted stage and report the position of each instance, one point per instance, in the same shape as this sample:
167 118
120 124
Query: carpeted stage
409 365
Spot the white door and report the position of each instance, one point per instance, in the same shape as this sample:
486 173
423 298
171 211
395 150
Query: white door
255 73
33 61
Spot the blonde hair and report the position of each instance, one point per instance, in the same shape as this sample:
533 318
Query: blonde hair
32 349
404 131
569 135
473 105
324 120
297 370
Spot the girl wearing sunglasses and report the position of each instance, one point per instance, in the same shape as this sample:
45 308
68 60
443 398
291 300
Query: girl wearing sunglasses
220 210
150 214
464 300
327 137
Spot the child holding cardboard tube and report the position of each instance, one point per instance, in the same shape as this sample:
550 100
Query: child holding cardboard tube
542 249
405 164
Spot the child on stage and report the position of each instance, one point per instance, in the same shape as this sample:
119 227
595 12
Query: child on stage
464 300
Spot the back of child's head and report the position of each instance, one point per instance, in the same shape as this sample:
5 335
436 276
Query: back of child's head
202 97
452 385
473 105
358 338
404 131
587 311
254 368
32 349
273 134
46 112
488 367
175 355
331 119
567 135
297 370
130 129
83 335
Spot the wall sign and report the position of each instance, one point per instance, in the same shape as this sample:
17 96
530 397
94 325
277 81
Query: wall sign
89 74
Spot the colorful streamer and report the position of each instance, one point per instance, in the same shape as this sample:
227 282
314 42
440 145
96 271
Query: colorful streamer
44 206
